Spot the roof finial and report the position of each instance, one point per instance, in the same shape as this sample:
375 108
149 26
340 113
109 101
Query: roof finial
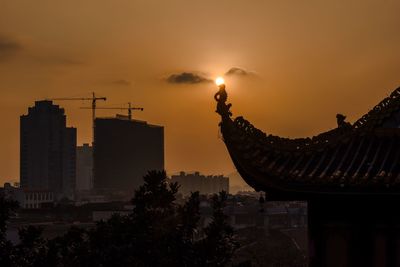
221 97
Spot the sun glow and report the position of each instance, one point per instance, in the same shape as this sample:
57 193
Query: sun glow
219 81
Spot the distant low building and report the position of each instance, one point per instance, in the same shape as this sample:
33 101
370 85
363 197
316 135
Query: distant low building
191 182
35 199
27 198
13 192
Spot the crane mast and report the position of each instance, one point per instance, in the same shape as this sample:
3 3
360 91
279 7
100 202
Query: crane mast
129 109
94 100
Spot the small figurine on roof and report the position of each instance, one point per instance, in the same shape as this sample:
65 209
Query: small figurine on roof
341 121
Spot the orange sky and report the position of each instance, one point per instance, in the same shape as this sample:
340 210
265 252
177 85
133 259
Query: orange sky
307 61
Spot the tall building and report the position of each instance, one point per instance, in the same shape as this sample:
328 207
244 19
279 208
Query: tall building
47 150
84 168
206 185
124 151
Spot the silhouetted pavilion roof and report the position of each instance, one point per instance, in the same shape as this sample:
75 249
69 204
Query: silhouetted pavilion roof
362 158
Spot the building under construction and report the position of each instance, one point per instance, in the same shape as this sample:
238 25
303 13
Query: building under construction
124 151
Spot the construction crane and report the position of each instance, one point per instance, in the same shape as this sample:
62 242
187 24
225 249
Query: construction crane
129 108
94 99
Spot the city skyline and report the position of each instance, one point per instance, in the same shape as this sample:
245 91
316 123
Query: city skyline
297 62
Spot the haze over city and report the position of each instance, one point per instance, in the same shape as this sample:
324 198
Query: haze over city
295 66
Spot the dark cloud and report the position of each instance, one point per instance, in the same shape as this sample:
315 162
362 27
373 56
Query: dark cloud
188 78
8 47
67 61
56 60
236 71
121 82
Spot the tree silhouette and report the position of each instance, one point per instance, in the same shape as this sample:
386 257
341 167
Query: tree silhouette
7 208
158 232
219 244
32 249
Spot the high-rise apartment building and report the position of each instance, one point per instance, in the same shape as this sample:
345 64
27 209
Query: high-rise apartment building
47 150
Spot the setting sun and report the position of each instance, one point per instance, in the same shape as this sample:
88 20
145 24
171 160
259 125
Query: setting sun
219 81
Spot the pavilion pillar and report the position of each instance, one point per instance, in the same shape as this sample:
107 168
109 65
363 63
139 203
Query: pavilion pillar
354 231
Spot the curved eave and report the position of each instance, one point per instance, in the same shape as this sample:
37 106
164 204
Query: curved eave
358 163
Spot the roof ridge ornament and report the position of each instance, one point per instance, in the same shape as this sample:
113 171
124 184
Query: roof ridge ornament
341 121
221 97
